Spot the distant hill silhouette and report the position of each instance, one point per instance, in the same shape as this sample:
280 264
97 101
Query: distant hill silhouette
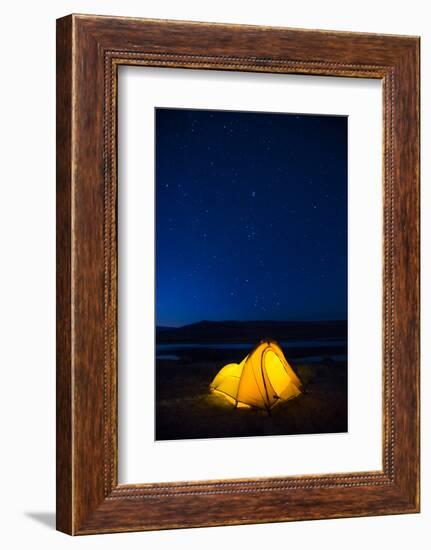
253 331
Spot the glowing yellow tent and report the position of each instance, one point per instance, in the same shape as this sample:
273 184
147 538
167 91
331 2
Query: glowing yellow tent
261 380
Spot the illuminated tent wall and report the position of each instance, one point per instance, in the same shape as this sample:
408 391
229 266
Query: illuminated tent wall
261 380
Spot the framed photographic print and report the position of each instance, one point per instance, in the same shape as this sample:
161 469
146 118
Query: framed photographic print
237 274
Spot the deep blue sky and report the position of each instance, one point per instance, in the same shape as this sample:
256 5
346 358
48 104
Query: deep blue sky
251 216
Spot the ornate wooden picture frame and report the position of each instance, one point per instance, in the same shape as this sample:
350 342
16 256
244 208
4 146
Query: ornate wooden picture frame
89 51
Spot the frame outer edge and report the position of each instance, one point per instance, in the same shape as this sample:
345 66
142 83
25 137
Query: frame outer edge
407 279
64 368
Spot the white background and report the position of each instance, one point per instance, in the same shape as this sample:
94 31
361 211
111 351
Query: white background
27 240
141 458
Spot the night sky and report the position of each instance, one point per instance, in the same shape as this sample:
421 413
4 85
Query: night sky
251 216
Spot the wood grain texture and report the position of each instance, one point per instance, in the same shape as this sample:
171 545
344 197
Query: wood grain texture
90 49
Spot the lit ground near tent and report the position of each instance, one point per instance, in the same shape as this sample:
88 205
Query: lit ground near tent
185 409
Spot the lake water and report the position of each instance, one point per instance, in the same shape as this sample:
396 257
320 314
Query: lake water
170 351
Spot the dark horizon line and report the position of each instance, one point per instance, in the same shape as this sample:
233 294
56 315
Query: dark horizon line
208 321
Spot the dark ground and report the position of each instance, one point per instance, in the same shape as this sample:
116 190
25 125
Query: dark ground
185 409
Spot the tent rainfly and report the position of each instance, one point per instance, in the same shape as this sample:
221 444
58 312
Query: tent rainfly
261 380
